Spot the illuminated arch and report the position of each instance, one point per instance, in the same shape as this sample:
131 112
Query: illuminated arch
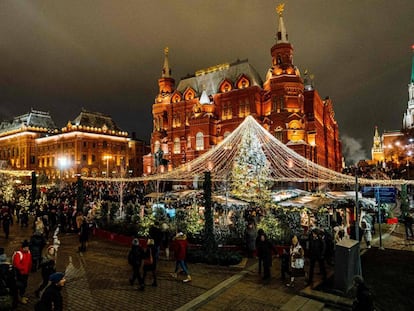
225 86
189 93
243 82
176 97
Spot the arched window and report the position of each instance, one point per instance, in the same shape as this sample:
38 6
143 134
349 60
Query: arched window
177 147
199 141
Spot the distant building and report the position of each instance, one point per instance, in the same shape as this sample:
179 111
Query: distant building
90 145
205 107
396 148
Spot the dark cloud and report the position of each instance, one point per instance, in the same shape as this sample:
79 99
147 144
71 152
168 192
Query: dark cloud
106 56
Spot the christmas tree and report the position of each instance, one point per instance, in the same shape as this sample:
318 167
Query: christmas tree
250 174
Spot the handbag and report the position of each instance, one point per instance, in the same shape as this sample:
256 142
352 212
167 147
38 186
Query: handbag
149 261
299 263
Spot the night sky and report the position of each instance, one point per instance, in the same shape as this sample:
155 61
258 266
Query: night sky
106 56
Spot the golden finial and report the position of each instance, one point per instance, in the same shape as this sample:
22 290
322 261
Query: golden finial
166 51
280 8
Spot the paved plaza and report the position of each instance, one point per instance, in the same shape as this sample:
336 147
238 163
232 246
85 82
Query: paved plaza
98 280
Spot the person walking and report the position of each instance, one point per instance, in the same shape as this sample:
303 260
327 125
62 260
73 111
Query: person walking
316 254
259 249
36 245
52 299
366 226
180 245
22 261
408 224
266 253
7 220
48 267
135 257
150 262
8 288
297 261
250 239
83 235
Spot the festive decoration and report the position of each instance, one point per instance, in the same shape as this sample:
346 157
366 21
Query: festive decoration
250 174
285 165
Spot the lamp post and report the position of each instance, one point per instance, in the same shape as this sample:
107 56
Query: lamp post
107 158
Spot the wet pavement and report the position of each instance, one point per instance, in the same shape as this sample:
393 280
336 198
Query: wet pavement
98 280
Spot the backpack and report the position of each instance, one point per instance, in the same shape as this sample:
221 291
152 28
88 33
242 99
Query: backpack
17 253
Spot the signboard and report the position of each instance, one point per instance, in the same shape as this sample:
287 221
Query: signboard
384 194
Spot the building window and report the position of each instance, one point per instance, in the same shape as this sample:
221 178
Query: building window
227 111
93 158
104 144
199 141
85 144
176 145
244 108
84 157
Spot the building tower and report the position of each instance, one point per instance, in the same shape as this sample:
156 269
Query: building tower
377 150
408 120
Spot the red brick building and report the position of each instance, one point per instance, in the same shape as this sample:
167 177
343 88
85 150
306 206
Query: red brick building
204 108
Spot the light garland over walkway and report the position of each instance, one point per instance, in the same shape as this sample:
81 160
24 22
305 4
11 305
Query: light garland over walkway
285 165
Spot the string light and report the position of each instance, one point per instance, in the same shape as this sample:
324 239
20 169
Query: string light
284 164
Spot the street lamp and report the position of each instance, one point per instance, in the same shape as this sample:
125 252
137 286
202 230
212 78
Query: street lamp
107 158
63 163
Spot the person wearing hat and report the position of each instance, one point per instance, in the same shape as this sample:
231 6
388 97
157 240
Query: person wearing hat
135 259
52 297
8 289
22 261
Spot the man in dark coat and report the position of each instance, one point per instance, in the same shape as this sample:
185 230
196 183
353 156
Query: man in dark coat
266 251
52 297
7 221
83 235
8 276
317 250
37 243
135 257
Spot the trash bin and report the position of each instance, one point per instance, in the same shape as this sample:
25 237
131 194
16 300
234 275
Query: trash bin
346 264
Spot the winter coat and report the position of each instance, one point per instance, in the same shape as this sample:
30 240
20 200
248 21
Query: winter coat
250 238
180 245
84 232
316 248
22 261
51 299
135 256
37 243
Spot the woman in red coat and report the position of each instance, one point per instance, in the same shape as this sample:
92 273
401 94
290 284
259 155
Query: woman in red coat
180 245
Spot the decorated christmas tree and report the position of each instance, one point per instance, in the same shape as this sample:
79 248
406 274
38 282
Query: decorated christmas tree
250 174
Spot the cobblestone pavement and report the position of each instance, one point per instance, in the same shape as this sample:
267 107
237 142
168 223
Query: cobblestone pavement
98 279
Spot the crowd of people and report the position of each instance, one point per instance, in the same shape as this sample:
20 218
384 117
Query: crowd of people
34 254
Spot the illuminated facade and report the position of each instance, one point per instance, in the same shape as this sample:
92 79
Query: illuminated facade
396 148
90 145
206 107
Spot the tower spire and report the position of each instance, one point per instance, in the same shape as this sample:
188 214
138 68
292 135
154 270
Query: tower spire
166 71
282 36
